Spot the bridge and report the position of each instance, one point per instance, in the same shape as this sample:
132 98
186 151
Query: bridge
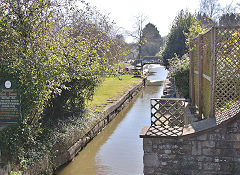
139 63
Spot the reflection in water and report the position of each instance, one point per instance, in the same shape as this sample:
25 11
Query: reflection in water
117 150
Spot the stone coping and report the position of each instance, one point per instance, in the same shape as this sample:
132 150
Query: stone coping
188 130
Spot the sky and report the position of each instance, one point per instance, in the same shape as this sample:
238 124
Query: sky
161 13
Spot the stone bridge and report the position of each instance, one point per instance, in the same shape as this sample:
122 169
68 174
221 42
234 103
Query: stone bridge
148 60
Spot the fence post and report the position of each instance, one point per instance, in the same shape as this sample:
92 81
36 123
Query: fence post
200 76
191 76
213 71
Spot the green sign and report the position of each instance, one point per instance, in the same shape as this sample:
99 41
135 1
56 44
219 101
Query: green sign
9 103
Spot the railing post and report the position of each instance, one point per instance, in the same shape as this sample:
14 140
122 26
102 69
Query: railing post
200 76
213 71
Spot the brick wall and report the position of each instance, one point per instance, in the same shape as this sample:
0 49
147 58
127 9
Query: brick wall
212 150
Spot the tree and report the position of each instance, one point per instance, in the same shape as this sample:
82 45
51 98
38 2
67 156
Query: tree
231 8
56 55
204 20
229 20
138 33
211 8
152 39
230 16
176 39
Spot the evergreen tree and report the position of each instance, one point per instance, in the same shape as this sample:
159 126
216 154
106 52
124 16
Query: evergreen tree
152 40
175 43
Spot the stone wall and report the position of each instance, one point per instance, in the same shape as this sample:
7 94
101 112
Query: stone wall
214 149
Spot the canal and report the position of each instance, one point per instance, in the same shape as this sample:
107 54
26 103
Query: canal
118 150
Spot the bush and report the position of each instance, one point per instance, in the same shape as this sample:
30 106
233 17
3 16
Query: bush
179 71
55 59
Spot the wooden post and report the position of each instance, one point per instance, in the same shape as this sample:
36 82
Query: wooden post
200 76
191 76
213 71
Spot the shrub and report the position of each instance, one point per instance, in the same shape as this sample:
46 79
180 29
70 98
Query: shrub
179 71
56 60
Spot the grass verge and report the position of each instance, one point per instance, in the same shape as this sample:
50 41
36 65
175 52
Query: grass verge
111 89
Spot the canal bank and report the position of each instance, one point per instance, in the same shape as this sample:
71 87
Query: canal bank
109 113
67 146
118 149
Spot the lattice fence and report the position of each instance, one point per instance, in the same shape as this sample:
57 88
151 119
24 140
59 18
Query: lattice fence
227 76
168 113
215 73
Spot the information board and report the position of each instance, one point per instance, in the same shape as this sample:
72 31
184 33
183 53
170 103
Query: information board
9 103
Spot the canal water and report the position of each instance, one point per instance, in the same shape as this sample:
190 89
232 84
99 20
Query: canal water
118 150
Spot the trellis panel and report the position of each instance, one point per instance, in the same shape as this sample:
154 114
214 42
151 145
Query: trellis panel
168 113
227 91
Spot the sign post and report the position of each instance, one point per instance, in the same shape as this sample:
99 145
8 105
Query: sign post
9 103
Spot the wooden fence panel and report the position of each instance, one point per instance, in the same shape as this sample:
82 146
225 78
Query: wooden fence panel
215 79
206 73
195 70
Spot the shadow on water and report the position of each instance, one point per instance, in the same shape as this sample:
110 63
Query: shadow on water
117 150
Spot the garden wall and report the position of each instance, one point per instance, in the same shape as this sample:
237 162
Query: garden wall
203 148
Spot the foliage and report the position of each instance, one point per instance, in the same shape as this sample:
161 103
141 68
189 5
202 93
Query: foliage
195 30
152 39
179 67
15 173
175 43
56 55
16 146
179 70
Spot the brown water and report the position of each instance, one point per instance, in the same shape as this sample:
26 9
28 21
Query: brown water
117 150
